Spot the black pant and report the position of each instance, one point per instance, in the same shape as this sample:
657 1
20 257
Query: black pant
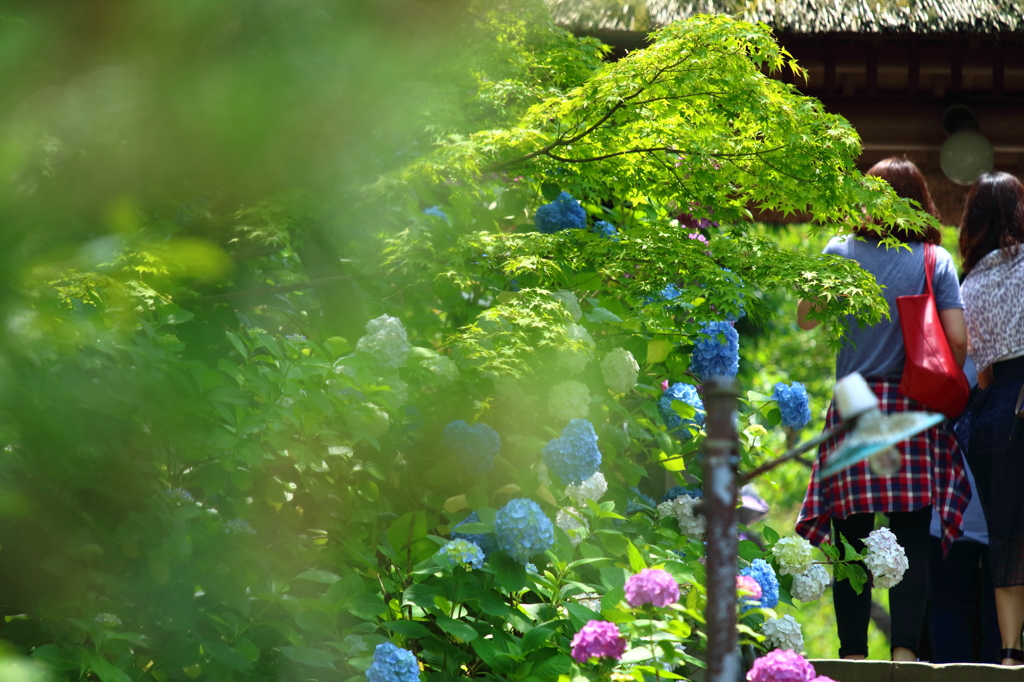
907 600
961 583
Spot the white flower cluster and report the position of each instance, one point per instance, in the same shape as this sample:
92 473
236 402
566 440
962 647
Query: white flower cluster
385 342
690 524
794 554
569 400
811 584
885 558
444 371
568 299
573 361
593 488
590 600
783 633
399 389
569 519
620 370
542 474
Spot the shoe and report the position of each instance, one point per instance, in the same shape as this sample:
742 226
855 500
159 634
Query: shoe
1016 654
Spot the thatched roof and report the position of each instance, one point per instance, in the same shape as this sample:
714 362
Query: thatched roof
801 16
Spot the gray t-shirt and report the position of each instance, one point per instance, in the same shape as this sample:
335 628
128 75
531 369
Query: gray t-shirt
877 351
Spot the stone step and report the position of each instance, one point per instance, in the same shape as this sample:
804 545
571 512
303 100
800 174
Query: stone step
887 671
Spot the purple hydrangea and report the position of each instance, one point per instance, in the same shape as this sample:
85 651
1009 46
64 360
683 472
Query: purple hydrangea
474 446
761 571
564 213
781 666
598 639
573 457
523 530
687 394
393 664
652 586
748 590
485 541
793 404
716 351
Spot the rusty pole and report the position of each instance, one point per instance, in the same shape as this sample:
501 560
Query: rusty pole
721 448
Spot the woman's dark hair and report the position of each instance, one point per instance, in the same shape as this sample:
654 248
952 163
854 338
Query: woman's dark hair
907 181
993 218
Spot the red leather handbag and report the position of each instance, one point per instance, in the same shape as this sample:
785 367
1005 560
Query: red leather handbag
930 373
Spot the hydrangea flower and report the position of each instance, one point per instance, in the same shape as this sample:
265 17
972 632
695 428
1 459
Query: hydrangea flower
761 571
634 506
593 488
569 400
687 394
474 446
399 395
716 351
385 342
370 418
794 554
436 212
393 664
487 542
238 527
604 228
180 495
571 303
107 621
781 665
573 457
531 568
652 586
465 552
590 600
573 360
670 292
569 519
747 590
598 639
444 371
811 584
793 404
678 490
296 338
885 558
523 530
564 213
620 370
691 524
783 633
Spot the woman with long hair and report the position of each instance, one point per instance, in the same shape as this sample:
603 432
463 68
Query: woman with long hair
932 472
991 234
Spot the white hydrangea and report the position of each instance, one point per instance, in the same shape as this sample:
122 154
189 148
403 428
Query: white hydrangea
573 361
568 299
794 554
783 633
569 400
620 370
811 584
444 371
591 489
690 524
569 519
385 342
590 600
542 474
399 389
885 558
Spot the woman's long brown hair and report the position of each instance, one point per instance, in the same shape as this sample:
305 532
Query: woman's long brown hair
993 218
907 181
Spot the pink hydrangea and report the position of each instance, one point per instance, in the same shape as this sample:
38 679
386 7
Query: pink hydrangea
652 586
781 666
822 678
749 587
598 639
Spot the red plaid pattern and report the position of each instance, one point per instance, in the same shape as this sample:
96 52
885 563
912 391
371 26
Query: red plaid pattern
932 473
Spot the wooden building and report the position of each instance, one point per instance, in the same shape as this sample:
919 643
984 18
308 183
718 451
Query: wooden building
893 68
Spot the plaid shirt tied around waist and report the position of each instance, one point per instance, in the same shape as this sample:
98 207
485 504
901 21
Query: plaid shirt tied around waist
932 473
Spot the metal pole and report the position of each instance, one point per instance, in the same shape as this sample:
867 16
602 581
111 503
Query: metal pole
721 449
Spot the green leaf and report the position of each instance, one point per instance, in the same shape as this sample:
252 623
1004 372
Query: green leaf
536 638
311 657
227 656
408 628
599 315
319 576
769 535
636 562
510 574
107 671
463 631
59 657
406 530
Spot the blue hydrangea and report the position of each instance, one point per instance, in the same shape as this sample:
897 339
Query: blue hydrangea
523 530
393 664
564 213
531 568
632 505
604 228
687 394
474 446
573 457
465 552
436 212
716 352
793 404
485 541
676 491
761 571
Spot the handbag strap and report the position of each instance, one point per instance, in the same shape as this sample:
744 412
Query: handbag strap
929 266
